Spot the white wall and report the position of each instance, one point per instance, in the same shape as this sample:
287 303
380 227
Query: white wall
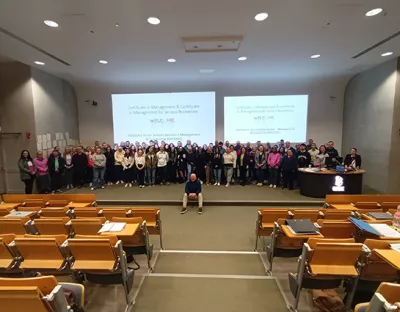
325 114
368 120
55 105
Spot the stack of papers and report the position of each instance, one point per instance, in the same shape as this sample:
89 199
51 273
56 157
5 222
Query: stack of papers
112 227
385 230
395 247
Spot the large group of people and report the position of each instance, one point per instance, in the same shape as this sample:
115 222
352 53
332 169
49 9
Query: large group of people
152 163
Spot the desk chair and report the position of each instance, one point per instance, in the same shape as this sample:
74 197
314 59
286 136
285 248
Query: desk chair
86 212
311 214
265 222
336 229
383 300
17 226
110 213
4 211
366 205
152 216
57 203
24 298
317 269
33 203
389 205
8 260
87 226
139 243
281 245
336 214
100 261
55 212
47 285
51 226
43 254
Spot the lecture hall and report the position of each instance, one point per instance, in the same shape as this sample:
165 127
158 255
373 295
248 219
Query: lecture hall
191 156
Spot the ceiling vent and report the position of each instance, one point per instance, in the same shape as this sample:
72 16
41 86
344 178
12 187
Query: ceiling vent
212 44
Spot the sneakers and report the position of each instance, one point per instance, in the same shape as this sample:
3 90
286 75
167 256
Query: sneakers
143 186
92 189
67 187
200 210
71 186
184 210
126 185
216 183
259 184
270 185
274 186
227 184
201 182
102 187
117 183
130 184
219 184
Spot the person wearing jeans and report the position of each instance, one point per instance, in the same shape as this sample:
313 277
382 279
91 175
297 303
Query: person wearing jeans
140 166
261 164
229 160
162 161
274 160
99 169
42 174
151 165
217 166
243 164
190 160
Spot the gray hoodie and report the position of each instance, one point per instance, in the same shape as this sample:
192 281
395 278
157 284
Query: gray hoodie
99 161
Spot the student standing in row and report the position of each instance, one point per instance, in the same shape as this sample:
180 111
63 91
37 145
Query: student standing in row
289 168
229 161
110 164
27 171
243 163
208 160
274 160
217 166
261 165
79 161
69 168
56 168
162 161
172 161
42 174
313 151
99 168
151 165
119 159
127 165
140 163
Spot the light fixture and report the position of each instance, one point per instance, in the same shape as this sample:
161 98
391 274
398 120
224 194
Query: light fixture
387 53
153 20
315 56
374 12
207 71
103 62
116 25
51 23
171 60
39 63
261 17
242 58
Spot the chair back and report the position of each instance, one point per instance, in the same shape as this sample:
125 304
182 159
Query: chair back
110 213
57 203
112 238
271 215
29 208
6 258
87 226
13 225
22 299
336 214
313 215
389 205
312 242
148 214
33 203
40 253
336 229
52 226
86 212
92 254
4 211
54 212
367 205
136 240
390 291
46 284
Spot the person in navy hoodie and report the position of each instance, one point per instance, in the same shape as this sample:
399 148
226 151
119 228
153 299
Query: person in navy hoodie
289 168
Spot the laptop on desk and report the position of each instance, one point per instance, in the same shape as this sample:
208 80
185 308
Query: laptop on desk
302 226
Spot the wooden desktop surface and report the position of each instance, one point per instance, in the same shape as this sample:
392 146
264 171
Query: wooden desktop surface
390 256
344 207
129 230
10 205
332 172
289 234
78 205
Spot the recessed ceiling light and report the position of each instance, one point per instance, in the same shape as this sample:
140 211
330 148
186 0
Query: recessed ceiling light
207 71
374 12
261 17
387 53
103 62
39 63
315 56
51 23
171 60
153 20
242 58
117 25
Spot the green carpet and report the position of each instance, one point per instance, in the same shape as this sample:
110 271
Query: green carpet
189 263
170 294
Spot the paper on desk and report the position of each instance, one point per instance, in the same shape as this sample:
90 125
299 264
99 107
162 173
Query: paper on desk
395 247
385 230
112 227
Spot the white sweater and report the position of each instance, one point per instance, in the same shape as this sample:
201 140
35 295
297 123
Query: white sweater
229 159
128 162
140 160
162 159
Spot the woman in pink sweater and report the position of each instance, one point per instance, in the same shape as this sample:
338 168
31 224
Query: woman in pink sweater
274 159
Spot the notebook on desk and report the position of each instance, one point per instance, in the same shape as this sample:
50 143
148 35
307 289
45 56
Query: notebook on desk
380 215
302 226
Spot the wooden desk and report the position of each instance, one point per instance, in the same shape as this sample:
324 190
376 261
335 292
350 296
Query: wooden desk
289 234
390 256
78 205
129 230
10 205
21 214
344 207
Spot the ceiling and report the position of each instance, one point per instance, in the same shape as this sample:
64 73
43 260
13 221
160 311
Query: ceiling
278 49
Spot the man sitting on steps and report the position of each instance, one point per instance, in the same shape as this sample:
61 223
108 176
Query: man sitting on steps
193 190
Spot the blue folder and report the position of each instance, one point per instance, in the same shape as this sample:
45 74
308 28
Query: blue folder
364 226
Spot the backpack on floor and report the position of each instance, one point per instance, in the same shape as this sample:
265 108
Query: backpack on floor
327 300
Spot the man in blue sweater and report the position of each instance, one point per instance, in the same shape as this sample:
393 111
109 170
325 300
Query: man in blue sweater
192 191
